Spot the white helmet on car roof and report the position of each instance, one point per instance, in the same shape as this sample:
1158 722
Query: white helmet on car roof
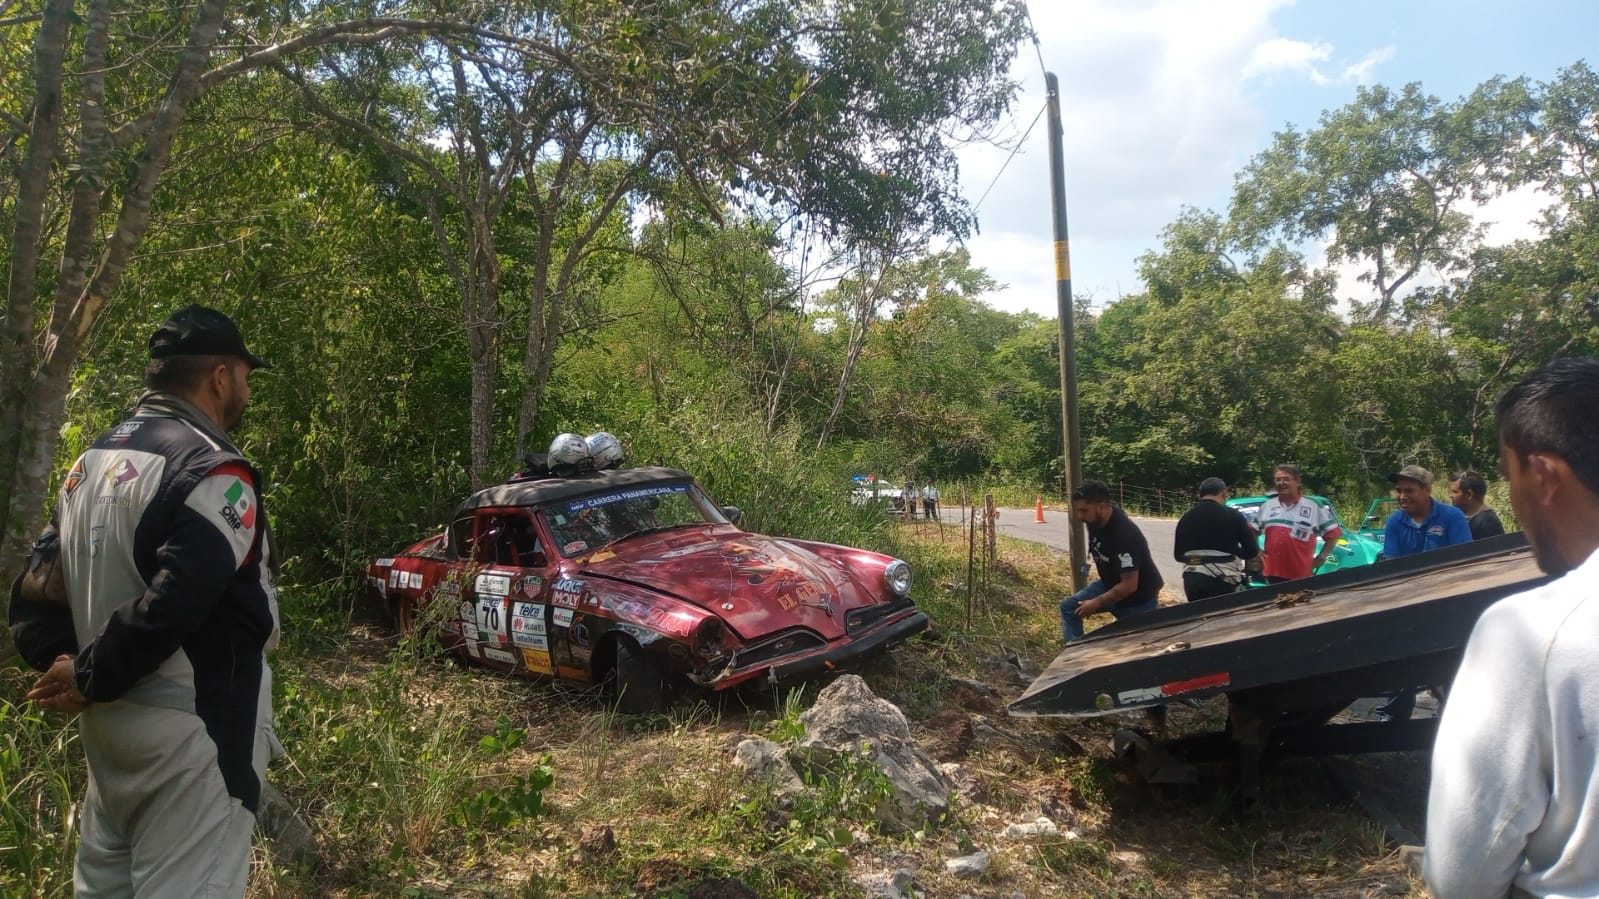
606 450
570 452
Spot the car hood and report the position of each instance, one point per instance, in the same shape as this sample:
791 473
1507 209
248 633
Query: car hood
758 585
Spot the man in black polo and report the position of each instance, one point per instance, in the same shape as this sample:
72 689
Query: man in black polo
1214 542
1466 492
1129 583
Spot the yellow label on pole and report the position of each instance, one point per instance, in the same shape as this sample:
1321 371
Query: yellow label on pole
1063 261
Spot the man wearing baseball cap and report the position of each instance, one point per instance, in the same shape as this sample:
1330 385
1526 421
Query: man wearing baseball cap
166 562
1420 524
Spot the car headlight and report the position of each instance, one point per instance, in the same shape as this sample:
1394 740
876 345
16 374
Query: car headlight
897 578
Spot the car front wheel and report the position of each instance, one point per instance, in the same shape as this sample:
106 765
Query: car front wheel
637 682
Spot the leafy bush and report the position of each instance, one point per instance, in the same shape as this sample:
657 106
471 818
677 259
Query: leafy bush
41 777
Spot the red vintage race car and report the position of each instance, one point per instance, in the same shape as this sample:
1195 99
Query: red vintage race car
636 578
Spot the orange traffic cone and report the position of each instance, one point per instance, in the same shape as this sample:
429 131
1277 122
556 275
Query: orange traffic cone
1038 511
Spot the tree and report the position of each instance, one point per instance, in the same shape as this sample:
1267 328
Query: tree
103 158
1386 180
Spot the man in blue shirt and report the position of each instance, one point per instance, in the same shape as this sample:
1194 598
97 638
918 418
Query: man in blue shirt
1420 524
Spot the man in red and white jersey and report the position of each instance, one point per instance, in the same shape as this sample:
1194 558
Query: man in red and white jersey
1292 522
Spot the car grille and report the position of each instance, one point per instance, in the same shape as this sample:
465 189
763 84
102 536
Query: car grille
775 647
869 616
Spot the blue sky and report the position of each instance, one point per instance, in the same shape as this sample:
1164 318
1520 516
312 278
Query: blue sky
1165 100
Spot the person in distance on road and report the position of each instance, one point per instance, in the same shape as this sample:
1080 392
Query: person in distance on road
1291 523
1467 491
1128 583
1514 800
1214 542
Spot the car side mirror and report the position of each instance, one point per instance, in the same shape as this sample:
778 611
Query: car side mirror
733 513
1370 520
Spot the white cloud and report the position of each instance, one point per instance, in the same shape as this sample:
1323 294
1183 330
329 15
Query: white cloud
1281 54
1161 107
1361 72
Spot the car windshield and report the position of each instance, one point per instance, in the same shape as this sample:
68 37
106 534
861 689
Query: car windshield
590 522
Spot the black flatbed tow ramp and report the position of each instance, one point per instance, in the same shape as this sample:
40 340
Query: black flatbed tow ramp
1291 656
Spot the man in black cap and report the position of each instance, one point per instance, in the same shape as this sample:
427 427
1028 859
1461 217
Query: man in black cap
1214 542
166 563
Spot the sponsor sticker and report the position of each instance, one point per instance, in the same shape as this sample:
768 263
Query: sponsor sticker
568 592
536 660
529 619
74 477
384 563
492 585
593 502
531 641
643 635
468 619
416 580
491 618
498 655
563 617
240 509
124 472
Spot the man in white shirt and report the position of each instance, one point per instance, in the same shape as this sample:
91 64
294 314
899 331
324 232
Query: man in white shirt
1514 803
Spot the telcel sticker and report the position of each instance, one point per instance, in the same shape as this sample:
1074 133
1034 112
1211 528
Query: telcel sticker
529 618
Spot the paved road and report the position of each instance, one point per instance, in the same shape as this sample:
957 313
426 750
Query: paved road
1160 532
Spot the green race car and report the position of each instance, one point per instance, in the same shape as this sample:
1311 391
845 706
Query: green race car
1354 547
1377 517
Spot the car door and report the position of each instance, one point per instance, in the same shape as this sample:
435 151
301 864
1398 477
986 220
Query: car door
501 618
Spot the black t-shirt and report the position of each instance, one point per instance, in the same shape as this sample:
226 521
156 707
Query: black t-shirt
1485 523
1120 546
1214 526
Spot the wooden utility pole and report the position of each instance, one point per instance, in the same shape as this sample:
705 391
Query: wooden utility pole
1068 341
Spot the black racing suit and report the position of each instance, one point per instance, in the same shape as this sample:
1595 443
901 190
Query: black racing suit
167 564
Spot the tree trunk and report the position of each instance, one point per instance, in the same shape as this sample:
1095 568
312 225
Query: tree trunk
863 311
532 347
16 335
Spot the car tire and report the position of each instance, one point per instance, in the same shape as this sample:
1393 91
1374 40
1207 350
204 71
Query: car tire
637 683
402 615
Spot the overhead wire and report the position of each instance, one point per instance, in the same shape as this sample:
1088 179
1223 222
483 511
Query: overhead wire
1038 49
1014 150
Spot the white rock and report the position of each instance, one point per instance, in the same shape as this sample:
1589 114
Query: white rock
973 865
1043 827
767 761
